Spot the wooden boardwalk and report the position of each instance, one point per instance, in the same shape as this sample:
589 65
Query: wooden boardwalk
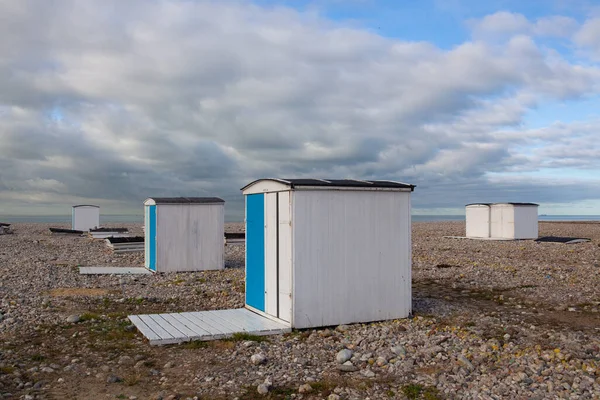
162 329
113 270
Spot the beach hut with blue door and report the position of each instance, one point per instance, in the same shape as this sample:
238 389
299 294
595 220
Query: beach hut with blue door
323 252
184 233
319 252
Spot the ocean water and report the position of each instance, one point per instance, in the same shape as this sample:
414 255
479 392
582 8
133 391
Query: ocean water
105 219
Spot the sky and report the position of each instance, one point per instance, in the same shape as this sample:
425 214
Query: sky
111 102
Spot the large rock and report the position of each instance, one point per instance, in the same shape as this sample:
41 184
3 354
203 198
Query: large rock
258 359
263 388
343 356
73 318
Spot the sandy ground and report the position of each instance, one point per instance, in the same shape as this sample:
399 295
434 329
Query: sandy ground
491 320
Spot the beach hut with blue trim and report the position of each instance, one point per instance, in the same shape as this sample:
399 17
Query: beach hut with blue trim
322 252
184 233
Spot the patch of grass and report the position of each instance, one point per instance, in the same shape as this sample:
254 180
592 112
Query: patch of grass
132 380
121 396
322 387
7 370
177 281
412 391
301 335
282 392
276 392
444 266
88 316
111 335
194 344
201 280
37 357
243 336
69 292
431 393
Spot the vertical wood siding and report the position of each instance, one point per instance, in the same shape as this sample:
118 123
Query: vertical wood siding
85 218
526 222
189 237
502 221
285 256
352 257
271 275
477 221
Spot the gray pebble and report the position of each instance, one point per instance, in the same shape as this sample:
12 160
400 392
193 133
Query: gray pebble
73 318
343 356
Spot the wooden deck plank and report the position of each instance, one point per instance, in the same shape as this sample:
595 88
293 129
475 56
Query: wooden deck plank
228 318
228 325
204 325
258 322
191 333
143 328
168 326
113 270
210 327
190 324
159 330
251 324
224 327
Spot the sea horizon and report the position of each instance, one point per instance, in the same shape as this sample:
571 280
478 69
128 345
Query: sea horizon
116 218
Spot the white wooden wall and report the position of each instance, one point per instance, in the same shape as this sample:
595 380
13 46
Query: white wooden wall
526 222
502 221
477 221
86 218
271 253
189 237
352 257
285 256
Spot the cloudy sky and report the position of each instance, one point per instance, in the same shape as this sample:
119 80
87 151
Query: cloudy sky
112 101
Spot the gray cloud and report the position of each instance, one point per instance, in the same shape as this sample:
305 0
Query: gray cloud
117 101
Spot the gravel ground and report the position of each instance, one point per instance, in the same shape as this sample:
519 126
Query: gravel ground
492 320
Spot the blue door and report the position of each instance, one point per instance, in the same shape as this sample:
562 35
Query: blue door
150 238
255 251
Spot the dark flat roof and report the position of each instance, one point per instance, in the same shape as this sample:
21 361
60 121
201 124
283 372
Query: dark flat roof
491 204
187 200
340 183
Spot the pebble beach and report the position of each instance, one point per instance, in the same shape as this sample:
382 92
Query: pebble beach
491 320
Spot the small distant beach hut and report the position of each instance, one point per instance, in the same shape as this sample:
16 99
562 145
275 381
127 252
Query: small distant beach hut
327 252
85 217
184 233
502 220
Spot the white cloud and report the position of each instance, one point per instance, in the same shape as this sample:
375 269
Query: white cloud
589 36
504 23
197 98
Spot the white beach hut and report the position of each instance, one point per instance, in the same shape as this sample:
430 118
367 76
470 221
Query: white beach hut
184 234
502 220
327 252
85 217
